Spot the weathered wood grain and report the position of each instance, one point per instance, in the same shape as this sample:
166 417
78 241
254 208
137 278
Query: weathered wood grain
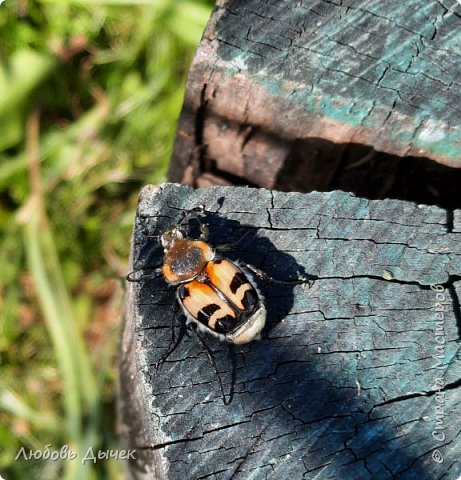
344 382
273 79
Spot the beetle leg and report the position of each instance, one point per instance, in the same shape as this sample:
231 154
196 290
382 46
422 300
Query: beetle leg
131 277
264 276
195 213
173 341
204 232
232 245
209 353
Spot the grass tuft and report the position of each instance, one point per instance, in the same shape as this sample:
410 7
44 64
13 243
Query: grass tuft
89 96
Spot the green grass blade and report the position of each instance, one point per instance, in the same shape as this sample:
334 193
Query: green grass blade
53 315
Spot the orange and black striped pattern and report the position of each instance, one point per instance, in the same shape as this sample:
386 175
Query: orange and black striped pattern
222 299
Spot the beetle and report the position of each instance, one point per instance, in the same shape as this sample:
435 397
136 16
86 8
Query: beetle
218 296
214 293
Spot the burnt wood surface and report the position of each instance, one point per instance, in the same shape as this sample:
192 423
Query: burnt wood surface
354 372
321 94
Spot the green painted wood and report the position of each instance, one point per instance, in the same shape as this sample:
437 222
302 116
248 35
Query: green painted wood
385 74
357 376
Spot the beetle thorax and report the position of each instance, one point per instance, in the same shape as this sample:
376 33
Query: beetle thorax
185 259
